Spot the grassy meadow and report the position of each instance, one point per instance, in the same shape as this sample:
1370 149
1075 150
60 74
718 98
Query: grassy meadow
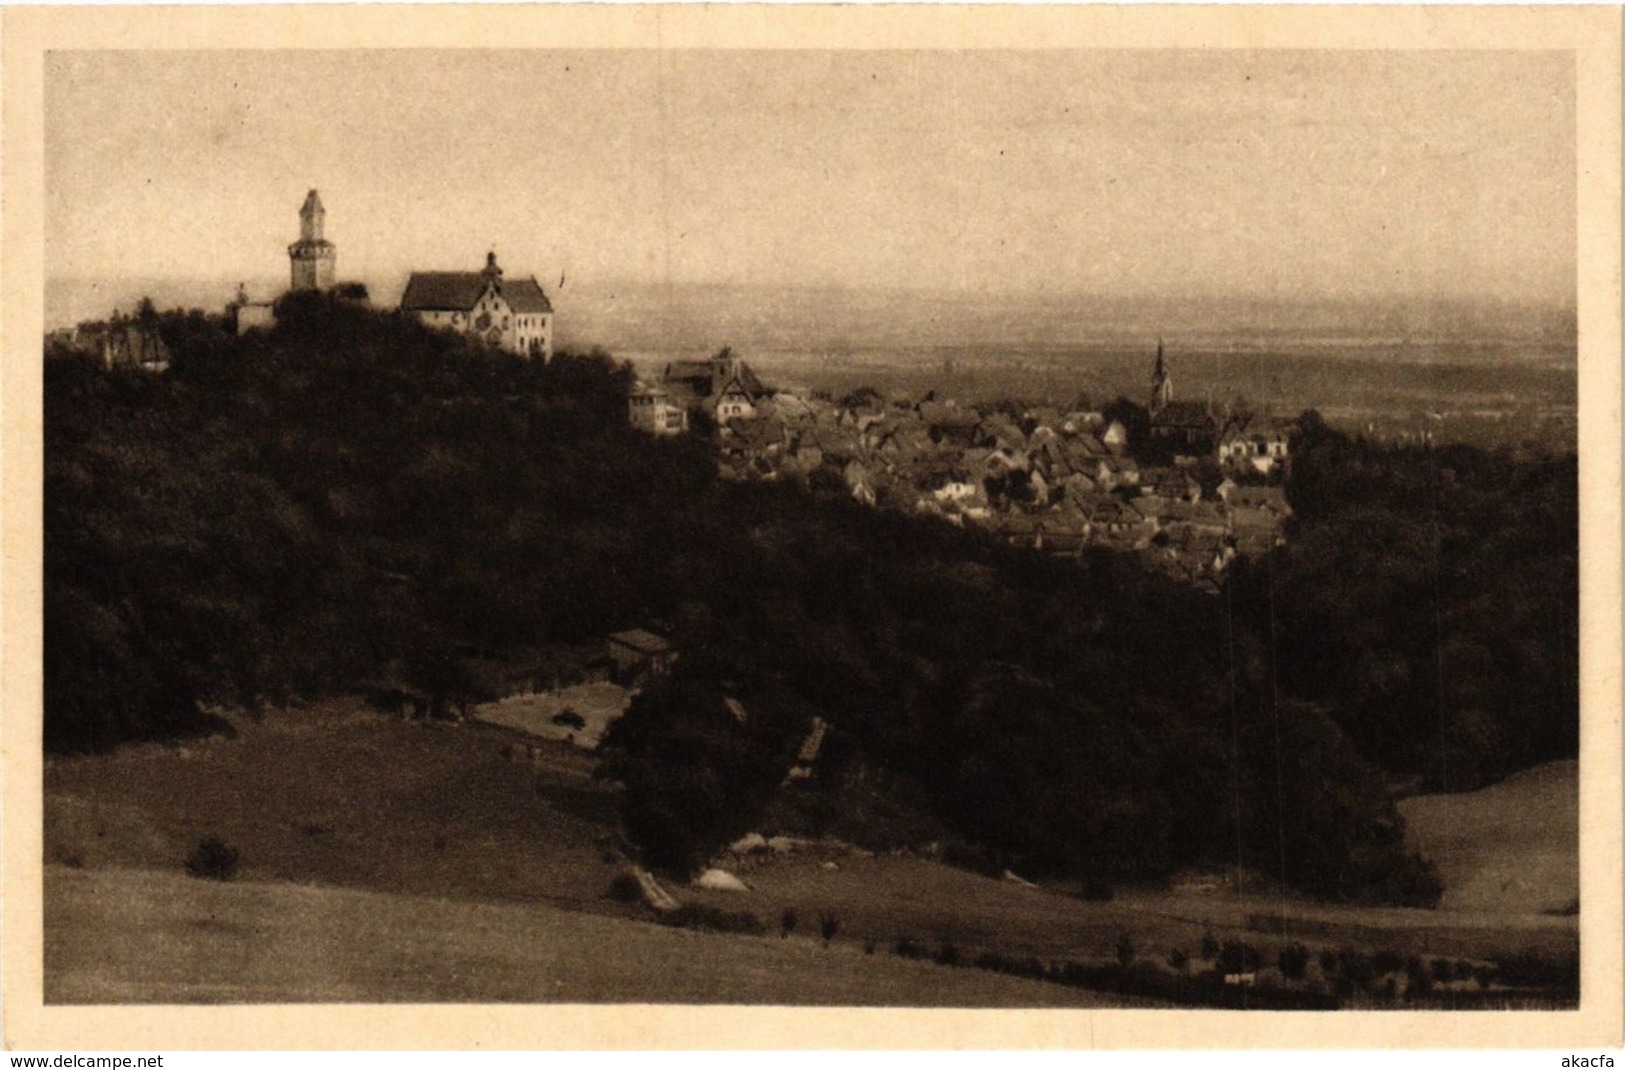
386 860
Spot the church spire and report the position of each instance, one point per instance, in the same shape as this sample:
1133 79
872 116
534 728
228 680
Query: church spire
1162 384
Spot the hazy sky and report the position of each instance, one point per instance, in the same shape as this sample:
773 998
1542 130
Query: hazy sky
1290 174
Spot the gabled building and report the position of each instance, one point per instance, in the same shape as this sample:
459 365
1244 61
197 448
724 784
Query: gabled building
1252 444
128 344
1180 427
724 385
510 314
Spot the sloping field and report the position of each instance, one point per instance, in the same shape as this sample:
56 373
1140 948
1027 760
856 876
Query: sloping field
1510 848
134 936
355 800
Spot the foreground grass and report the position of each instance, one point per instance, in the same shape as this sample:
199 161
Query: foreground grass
134 936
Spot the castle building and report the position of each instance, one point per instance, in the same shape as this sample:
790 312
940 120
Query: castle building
512 314
312 256
247 314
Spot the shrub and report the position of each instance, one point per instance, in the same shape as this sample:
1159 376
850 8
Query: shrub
569 718
213 860
1125 951
908 949
1386 962
787 923
1354 965
1293 961
1210 947
1237 957
714 919
624 888
828 926
947 955
1178 959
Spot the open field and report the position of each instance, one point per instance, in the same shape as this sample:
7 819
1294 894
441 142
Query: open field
597 704
134 936
464 844
340 796
1512 847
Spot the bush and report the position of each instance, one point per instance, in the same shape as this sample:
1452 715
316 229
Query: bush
787 923
1237 957
624 888
213 860
908 949
568 718
1125 951
1210 947
1178 959
828 926
947 955
1293 961
713 919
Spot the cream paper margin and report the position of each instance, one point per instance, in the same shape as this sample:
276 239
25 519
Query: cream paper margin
1592 34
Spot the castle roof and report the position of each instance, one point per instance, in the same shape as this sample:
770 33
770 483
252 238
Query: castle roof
458 291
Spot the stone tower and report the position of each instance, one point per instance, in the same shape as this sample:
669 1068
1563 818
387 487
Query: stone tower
312 255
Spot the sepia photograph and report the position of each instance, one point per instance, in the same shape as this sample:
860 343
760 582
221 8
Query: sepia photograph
789 525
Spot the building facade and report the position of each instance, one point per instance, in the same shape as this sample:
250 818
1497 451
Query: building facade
511 314
312 257
650 409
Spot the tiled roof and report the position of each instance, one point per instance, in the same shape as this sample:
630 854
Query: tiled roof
458 291
1182 414
644 642
439 290
525 295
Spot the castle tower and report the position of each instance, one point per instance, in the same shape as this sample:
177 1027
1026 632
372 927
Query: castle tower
312 256
1162 384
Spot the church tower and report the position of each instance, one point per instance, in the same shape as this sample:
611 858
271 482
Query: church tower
312 255
1162 384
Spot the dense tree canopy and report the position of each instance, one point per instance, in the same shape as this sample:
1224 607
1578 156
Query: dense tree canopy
350 500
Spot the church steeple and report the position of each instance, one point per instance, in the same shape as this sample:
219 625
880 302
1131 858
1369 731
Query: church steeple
312 256
1162 384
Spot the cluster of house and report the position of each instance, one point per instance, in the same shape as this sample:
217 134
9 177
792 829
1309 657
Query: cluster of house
1059 482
